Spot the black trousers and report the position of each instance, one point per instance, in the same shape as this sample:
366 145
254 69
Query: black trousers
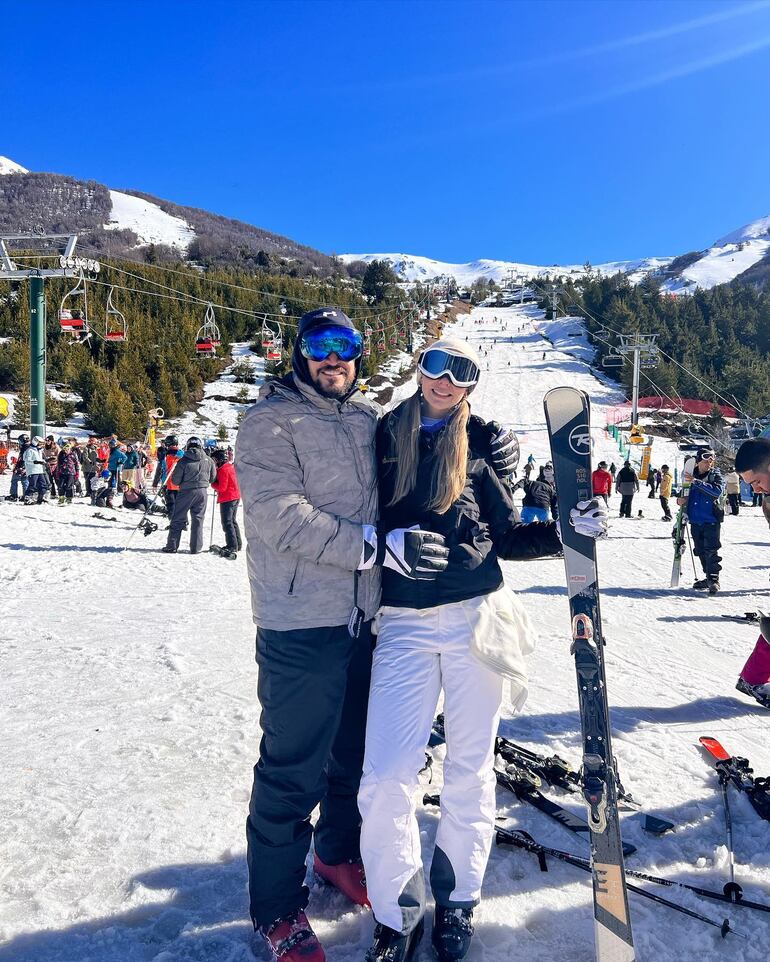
734 502
626 501
192 501
313 688
706 545
666 509
228 513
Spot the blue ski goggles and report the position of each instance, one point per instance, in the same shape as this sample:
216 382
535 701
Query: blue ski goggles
461 370
318 343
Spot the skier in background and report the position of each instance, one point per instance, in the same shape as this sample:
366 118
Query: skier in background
539 503
664 491
18 473
601 482
705 516
626 485
173 454
529 467
652 481
228 498
67 471
90 463
192 474
51 457
733 487
613 469
35 466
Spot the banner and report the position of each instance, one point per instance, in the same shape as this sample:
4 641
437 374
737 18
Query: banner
646 455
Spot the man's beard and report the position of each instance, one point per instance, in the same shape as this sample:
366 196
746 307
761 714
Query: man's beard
334 393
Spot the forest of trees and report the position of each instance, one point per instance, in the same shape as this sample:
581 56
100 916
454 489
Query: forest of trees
721 336
157 365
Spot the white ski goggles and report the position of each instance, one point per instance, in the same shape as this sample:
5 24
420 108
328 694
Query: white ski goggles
461 370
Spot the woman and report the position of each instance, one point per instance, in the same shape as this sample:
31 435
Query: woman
66 472
435 472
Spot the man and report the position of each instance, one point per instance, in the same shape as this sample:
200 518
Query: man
18 473
192 474
90 463
51 457
35 466
601 482
664 491
705 516
733 486
306 469
752 462
652 481
115 462
626 485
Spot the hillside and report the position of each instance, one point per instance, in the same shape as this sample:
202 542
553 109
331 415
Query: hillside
140 227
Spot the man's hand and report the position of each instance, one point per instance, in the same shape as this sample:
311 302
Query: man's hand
590 518
504 448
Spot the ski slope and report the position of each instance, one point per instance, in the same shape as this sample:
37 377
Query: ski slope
130 726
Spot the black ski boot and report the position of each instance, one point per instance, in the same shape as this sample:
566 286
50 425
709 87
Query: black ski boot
713 586
230 553
168 549
392 946
760 692
452 933
702 584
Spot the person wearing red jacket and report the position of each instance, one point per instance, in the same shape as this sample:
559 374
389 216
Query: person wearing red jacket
601 481
228 499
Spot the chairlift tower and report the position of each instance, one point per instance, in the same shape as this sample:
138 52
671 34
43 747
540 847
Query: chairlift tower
644 350
44 246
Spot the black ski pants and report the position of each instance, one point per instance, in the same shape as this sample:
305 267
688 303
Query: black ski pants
734 502
228 513
190 501
313 688
666 509
706 545
626 501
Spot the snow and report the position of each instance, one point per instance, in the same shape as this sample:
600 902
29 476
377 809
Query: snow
151 224
756 229
130 725
8 166
412 267
718 265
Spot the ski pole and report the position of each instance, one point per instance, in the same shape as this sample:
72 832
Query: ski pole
692 554
525 841
147 512
213 509
731 889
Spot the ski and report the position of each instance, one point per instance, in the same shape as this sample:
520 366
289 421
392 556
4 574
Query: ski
527 791
680 527
737 770
524 840
568 416
104 517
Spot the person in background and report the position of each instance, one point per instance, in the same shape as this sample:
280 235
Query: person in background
18 473
192 474
173 454
664 491
90 463
613 469
51 457
160 468
539 503
101 492
529 467
705 516
115 462
601 482
652 481
131 469
228 498
134 498
37 474
67 471
626 485
733 488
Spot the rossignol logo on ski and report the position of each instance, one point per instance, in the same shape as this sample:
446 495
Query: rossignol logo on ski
580 439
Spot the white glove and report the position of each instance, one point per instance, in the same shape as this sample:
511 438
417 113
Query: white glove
590 518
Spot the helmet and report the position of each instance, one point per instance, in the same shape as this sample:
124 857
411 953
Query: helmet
172 441
219 457
106 474
22 439
193 442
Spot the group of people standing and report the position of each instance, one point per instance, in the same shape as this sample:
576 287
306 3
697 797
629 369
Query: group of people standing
373 558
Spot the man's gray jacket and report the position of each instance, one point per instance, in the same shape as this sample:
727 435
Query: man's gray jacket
307 474
194 470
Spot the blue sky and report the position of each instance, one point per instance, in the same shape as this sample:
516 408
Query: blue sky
541 132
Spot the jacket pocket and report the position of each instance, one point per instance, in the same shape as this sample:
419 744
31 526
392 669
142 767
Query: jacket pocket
296 578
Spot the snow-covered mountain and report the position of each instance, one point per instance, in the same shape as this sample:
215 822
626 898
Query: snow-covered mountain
11 167
148 221
724 261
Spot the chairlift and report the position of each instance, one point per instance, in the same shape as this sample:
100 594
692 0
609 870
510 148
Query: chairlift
74 320
115 327
210 328
204 345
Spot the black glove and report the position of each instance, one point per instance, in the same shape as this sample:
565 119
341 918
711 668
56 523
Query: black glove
504 448
416 554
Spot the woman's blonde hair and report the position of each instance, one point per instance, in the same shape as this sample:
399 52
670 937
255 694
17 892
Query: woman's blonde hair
450 470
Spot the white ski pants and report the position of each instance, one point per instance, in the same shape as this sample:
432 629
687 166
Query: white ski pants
418 653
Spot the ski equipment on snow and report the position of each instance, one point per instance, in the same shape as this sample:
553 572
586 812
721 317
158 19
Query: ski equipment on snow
568 417
680 527
520 839
738 771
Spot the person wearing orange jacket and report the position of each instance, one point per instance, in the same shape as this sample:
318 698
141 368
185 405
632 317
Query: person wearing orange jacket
601 481
228 499
173 454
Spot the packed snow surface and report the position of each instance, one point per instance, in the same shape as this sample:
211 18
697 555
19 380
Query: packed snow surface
730 256
151 224
130 726
8 166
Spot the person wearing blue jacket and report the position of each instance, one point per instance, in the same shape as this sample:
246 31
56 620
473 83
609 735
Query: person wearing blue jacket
705 515
116 461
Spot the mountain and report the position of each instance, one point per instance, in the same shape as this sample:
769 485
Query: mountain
138 226
745 251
